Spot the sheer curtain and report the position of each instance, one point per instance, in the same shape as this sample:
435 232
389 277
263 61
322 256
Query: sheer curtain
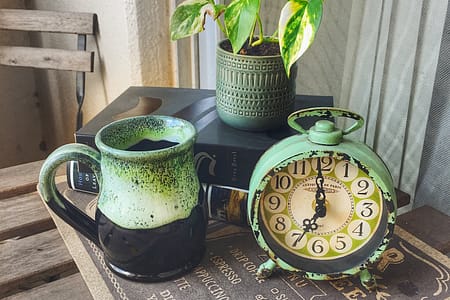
434 177
390 68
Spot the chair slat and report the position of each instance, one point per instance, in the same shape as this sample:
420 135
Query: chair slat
47 21
31 259
45 58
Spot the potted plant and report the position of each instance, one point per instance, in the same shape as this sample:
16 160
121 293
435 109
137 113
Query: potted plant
255 84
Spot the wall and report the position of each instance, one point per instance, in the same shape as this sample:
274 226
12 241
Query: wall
20 129
130 47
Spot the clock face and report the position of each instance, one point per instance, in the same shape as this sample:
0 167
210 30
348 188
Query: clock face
351 223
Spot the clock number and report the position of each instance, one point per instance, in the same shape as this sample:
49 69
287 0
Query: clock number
274 202
345 171
359 229
318 246
279 223
367 209
303 168
299 236
296 239
362 187
299 168
326 163
341 242
281 182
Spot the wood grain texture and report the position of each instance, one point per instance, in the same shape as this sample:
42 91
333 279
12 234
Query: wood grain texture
22 216
47 21
70 287
34 258
19 179
45 58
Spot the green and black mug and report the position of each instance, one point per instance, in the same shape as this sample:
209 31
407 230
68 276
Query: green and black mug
150 219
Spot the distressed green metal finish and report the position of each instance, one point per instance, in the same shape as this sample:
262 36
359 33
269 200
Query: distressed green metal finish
300 147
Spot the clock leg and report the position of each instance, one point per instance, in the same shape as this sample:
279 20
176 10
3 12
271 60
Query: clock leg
368 280
266 269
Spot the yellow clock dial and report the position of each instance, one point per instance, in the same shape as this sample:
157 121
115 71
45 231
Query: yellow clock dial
353 204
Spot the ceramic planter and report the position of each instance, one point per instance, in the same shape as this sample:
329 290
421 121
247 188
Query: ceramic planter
253 92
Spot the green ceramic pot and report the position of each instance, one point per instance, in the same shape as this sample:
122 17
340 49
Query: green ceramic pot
253 92
150 219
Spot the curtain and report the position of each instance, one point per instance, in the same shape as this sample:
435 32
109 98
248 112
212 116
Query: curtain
391 62
434 176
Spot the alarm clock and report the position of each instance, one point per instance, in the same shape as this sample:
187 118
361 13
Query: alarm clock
320 203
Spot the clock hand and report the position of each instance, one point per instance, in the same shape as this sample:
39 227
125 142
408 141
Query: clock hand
320 208
310 225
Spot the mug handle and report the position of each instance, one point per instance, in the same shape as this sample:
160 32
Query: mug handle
57 202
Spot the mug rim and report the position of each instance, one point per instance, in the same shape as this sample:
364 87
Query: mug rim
184 144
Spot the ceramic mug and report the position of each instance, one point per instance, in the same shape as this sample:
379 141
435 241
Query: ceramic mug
150 219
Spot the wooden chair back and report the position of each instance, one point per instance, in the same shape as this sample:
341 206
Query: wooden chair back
77 23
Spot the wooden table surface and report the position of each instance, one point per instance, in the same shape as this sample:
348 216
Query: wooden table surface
36 263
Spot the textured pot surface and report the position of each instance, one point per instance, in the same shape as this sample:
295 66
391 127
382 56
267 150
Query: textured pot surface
253 92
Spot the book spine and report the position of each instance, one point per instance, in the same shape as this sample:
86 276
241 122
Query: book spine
227 204
79 180
225 166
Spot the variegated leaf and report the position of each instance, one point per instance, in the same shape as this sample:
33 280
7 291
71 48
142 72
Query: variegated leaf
299 22
240 17
189 17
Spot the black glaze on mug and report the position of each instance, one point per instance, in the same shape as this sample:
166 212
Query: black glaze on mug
154 254
149 145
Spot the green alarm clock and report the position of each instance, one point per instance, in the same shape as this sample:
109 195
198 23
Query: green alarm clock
320 203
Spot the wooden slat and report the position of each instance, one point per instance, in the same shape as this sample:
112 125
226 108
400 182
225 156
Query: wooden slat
34 258
47 21
429 225
45 58
19 179
22 216
70 287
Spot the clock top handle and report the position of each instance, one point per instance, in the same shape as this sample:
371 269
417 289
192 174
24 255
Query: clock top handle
327 113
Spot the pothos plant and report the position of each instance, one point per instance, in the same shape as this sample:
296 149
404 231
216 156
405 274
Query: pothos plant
240 21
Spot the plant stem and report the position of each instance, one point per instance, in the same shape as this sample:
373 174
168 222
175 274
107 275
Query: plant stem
252 33
261 34
221 26
274 35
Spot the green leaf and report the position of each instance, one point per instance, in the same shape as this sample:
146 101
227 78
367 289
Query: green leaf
299 22
240 17
189 17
